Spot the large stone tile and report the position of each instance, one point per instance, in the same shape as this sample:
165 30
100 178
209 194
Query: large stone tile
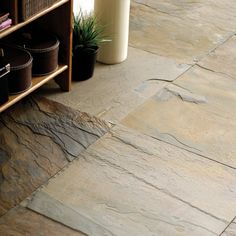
116 90
223 59
38 138
230 231
197 113
23 222
128 183
184 30
217 89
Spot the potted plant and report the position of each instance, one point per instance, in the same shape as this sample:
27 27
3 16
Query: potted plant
87 36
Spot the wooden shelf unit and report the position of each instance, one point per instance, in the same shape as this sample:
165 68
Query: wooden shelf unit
36 83
58 20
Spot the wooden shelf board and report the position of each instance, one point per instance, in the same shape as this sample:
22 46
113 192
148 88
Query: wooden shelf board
36 83
22 24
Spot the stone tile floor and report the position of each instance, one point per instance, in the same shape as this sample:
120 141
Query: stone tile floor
154 152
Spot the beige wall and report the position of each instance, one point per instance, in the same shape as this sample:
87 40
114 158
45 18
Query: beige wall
86 5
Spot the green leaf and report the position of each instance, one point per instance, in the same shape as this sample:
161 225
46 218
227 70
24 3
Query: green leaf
87 32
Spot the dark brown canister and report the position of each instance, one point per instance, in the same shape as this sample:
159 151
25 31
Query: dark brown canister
20 76
4 70
44 49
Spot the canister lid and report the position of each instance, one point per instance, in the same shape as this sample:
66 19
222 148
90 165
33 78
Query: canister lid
39 42
18 58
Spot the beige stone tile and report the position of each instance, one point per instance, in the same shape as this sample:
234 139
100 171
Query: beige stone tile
218 90
130 184
116 90
23 222
197 113
231 230
182 30
223 59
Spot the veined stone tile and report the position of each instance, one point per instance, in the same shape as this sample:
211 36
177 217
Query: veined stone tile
23 222
38 138
128 183
230 231
217 89
181 30
116 90
197 113
223 59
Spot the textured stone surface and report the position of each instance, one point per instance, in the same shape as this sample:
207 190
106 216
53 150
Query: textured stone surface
184 30
230 231
204 122
38 138
218 90
116 90
130 184
222 60
23 222
186 95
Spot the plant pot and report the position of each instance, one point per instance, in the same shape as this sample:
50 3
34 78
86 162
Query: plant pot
84 61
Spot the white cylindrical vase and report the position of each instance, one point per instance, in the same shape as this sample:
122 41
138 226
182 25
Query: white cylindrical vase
113 15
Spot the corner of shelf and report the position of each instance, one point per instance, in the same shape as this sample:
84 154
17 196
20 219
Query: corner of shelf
36 83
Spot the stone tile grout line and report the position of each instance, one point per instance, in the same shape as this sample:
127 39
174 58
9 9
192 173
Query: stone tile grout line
231 222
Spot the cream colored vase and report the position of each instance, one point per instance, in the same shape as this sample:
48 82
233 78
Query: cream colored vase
114 16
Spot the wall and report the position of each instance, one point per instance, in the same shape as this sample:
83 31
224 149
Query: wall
85 5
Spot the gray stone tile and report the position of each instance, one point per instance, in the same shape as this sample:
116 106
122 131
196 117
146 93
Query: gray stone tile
181 30
116 90
128 183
